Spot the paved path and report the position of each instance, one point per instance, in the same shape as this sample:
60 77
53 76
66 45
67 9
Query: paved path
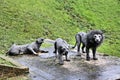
43 67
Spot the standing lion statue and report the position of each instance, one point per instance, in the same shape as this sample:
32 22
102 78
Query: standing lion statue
90 40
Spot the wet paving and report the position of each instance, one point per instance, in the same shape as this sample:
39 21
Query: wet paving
43 67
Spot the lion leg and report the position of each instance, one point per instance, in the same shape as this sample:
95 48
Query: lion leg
61 62
78 49
55 47
94 54
55 51
87 56
66 56
83 48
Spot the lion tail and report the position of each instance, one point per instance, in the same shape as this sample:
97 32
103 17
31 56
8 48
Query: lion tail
77 36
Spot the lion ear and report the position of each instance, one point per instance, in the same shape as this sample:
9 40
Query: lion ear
37 41
42 39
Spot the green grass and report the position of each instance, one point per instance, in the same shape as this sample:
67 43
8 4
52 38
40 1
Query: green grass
22 21
45 45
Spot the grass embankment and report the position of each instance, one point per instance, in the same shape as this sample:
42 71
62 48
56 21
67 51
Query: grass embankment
22 21
4 62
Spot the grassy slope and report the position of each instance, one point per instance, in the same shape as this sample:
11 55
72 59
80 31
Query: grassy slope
22 21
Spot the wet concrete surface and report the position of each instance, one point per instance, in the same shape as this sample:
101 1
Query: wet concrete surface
43 67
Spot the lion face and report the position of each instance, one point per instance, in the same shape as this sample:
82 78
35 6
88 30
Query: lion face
97 38
40 40
64 51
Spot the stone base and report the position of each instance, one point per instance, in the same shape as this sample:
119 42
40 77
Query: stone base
7 71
